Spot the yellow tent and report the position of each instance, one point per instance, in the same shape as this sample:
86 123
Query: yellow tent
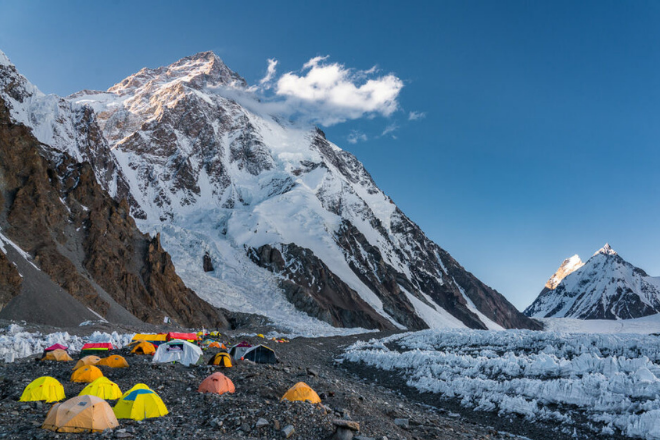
87 360
44 388
103 388
114 361
301 392
57 355
81 414
139 386
144 348
150 337
140 403
88 373
222 359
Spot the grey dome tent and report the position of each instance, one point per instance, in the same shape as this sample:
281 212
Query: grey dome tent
261 355
238 350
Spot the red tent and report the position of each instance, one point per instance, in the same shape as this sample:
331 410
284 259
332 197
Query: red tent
244 344
182 336
56 347
97 346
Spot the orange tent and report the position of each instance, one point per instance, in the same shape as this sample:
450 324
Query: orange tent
57 355
87 360
114 361
301 391
214 344
217 383
88 374
81 414
144 347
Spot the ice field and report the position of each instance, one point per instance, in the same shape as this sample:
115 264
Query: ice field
611 380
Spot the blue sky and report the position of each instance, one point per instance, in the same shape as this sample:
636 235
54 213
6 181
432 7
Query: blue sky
540 136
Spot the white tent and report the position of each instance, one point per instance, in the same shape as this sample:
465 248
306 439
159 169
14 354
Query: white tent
237 351
178 351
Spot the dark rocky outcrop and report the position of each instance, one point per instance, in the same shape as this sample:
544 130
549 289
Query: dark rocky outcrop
313 288
207 264
368 264
10 281
86 242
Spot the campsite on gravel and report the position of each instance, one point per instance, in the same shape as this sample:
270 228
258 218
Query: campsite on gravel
357 378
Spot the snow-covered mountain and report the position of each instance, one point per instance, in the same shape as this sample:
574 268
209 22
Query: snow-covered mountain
605 287
260 214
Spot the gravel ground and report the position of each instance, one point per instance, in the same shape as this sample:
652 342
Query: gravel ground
383 408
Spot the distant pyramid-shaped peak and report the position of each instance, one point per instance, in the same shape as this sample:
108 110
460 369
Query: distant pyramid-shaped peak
606 250
568 266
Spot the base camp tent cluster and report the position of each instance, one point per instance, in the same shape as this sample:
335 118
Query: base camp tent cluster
90 410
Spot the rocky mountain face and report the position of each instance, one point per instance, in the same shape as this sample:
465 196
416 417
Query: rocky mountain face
10 280
605 287
53 210
260 214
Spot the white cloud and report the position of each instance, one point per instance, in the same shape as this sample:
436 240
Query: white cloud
270 74
314 62
389 129
356 136
413 116
330 93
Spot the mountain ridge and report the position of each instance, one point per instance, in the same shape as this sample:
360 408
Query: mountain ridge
219 181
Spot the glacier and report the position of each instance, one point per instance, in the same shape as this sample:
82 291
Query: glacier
612 380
